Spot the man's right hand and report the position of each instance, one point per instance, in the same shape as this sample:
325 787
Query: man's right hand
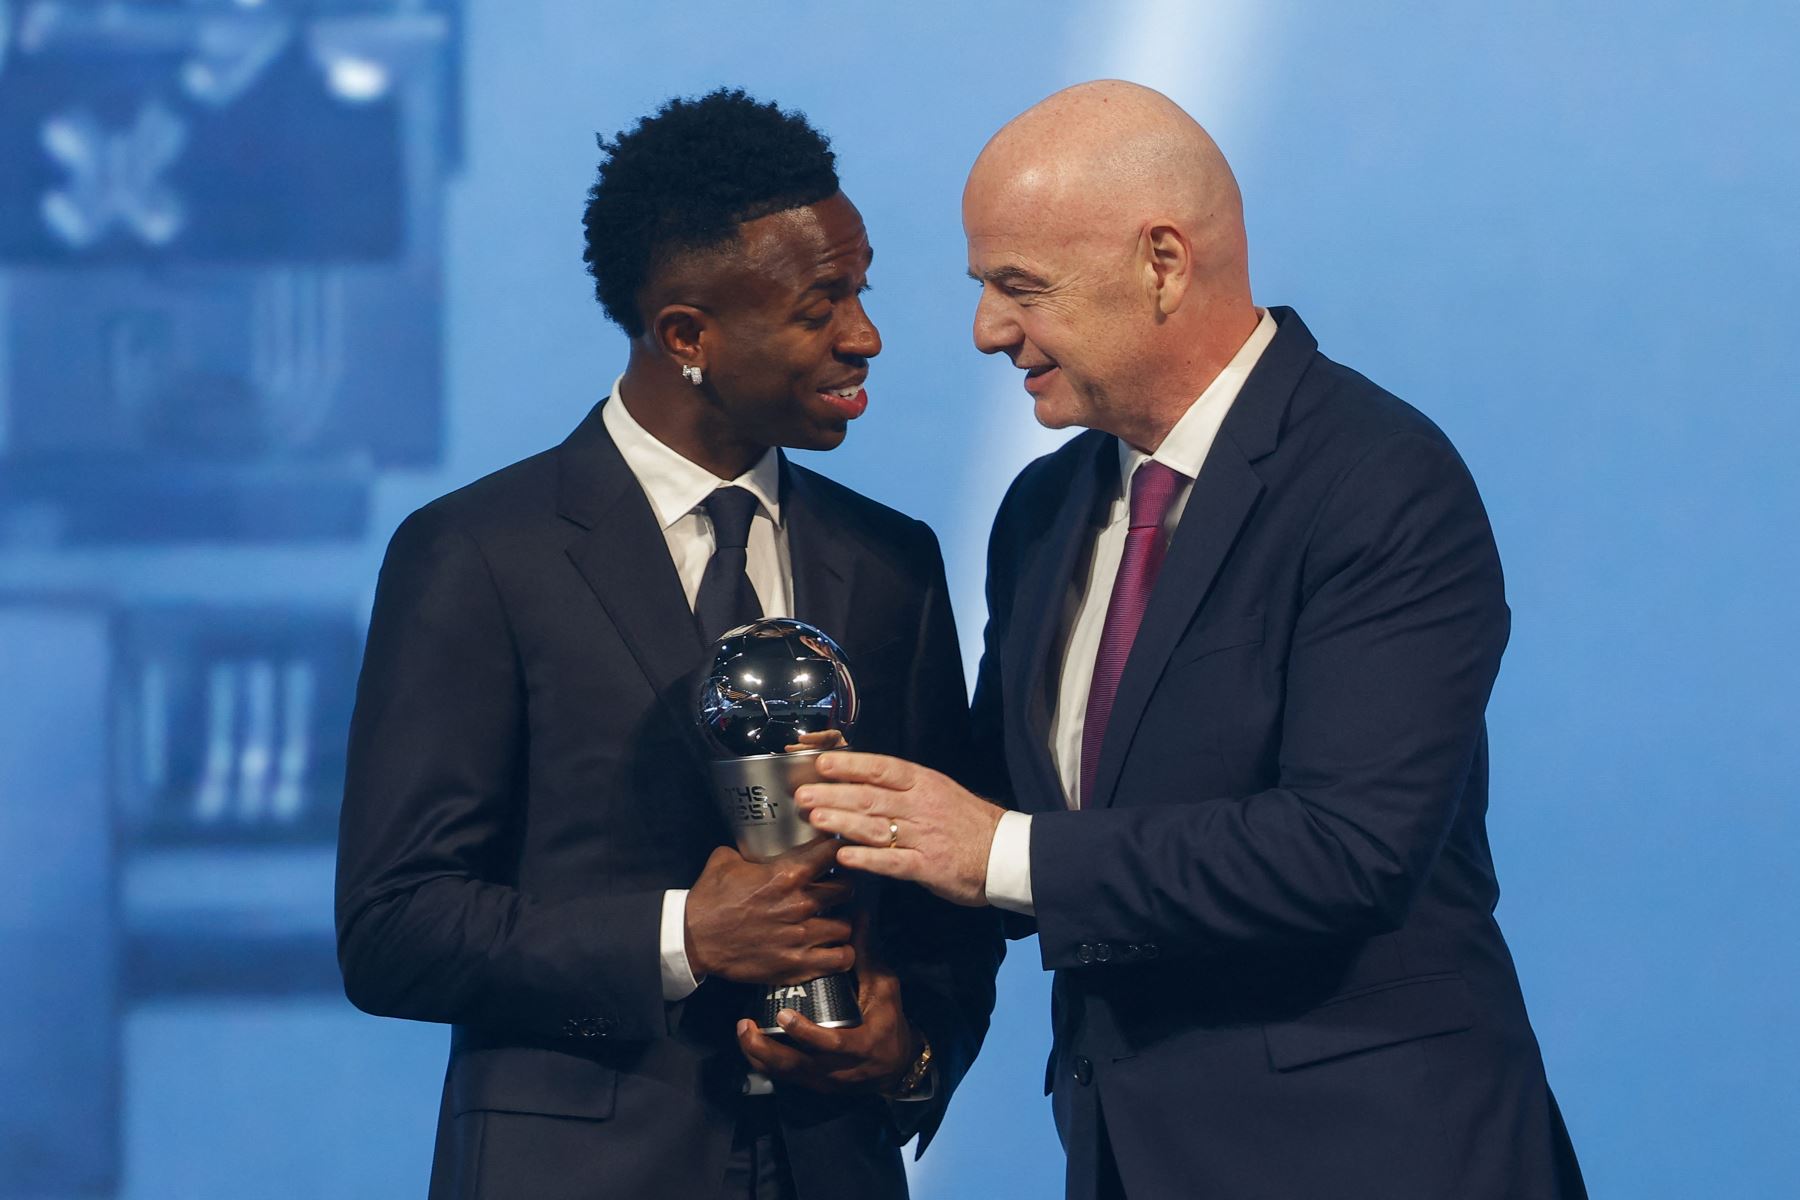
767 922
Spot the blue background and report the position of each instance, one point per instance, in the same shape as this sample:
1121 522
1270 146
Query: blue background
1567 233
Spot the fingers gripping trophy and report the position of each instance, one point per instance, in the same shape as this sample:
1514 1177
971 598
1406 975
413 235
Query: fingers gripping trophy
776 684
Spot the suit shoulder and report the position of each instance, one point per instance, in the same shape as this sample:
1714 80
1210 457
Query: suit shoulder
879 523
1040 485
1355 412
1355 445
1054 469
497 504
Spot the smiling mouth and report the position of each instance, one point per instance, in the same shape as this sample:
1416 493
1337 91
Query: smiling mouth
849 401
1034 376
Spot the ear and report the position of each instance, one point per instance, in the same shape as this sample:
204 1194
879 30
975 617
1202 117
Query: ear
1167 261
683 331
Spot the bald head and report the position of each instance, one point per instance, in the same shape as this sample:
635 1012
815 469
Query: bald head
1113 208
1113 154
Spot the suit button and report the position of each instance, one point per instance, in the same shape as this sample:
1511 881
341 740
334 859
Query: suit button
571 1028
1150 950
1084 1071
1084 953
1102 951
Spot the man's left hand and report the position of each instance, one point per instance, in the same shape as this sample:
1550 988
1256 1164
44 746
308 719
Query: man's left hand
909 822
871 1057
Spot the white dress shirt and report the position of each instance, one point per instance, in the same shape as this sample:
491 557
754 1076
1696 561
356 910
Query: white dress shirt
1185 450
675 488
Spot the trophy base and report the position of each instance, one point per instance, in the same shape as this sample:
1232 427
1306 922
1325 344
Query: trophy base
829 1003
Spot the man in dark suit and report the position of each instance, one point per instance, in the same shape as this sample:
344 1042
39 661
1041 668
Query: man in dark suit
530 850
1241 638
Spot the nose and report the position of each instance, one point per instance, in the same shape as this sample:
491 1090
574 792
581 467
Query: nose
995 330
859 338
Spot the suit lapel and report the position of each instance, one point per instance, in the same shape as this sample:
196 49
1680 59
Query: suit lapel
1038 620
822 558
622 555
1224 494
1221 500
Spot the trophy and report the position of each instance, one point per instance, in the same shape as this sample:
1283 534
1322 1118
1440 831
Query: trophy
772 682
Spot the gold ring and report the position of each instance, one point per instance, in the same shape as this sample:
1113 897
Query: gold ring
893 833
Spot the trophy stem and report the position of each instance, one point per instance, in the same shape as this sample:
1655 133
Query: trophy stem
756 794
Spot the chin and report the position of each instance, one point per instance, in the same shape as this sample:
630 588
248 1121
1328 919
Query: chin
1053 415
818 437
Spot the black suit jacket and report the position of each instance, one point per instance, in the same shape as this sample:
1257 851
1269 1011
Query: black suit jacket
525 781
1277 968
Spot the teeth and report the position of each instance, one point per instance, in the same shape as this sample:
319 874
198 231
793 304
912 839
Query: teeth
848 393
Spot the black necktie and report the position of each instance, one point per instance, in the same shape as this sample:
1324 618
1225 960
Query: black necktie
726 599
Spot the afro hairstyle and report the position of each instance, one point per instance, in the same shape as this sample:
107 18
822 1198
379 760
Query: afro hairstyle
683 180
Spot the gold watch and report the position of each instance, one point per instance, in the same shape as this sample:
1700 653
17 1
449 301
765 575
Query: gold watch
915 1075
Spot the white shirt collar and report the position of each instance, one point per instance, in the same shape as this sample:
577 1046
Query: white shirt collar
1189 442
675 485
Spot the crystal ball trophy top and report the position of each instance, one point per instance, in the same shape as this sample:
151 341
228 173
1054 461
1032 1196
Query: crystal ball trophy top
772 683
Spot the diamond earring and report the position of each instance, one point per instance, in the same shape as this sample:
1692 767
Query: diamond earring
691 374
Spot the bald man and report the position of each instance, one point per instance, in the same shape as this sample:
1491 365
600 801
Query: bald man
1241 638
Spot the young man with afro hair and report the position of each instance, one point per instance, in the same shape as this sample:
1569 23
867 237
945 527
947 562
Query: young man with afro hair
530 851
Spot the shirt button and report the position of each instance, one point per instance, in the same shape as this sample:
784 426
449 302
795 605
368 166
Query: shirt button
1084 1071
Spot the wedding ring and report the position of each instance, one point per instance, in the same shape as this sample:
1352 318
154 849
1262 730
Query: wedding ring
893 833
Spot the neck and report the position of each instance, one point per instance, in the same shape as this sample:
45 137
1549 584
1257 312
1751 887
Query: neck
684 417
1198 356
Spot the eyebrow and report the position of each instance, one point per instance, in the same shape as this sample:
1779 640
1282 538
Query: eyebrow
1010 276
825 285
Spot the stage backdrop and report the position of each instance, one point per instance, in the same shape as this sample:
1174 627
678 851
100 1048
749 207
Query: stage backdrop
272 274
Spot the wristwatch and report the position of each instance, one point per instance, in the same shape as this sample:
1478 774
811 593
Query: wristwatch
916 1074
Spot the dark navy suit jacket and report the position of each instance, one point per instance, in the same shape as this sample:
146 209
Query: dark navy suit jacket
524 783
1278 972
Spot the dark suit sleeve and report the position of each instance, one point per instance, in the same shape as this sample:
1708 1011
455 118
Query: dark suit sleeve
945 954
430 925
1397 644
988 774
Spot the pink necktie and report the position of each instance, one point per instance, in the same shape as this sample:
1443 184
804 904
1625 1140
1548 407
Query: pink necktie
1153 489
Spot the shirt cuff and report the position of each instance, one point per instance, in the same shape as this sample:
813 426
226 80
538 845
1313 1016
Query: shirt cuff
678 980
1009 865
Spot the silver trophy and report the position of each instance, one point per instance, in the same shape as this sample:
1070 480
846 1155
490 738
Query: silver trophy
773 682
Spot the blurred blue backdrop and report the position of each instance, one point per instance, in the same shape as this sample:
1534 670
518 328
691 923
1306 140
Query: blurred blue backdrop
274 273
